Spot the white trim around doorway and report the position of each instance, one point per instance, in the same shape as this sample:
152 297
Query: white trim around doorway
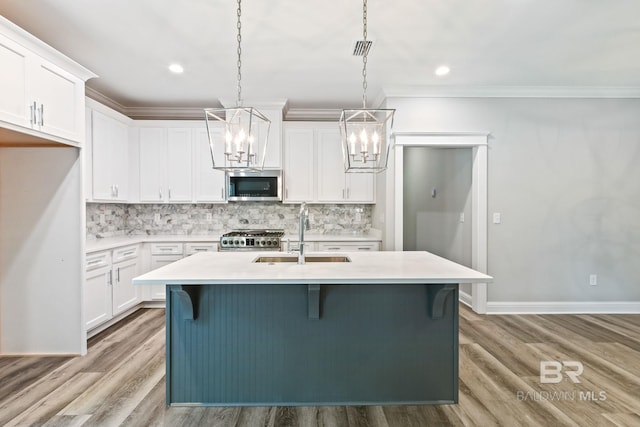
478 141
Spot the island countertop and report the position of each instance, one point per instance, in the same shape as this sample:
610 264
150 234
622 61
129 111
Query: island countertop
386 267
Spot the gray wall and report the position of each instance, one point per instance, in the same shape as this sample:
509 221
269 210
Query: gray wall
565 175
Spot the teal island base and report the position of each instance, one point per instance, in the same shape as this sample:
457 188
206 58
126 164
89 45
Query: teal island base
310 344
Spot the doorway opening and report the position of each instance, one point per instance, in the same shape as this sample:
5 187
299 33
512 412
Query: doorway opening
454 226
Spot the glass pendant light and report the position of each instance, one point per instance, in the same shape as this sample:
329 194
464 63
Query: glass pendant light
363 131
242 144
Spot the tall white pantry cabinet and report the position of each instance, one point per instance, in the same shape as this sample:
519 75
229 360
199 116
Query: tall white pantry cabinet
42 212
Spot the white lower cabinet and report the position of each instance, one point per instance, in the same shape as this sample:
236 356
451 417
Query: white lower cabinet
348 246
109 290
98 307
161 255
193 248
125 268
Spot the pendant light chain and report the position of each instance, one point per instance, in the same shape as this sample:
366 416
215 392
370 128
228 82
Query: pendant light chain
364 58
239 25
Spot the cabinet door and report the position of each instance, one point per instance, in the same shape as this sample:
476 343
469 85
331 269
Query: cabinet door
330 176
125 294
273 156
299 165
14 107
158 292
178 168
110 158
97 297
59 98
361 187
348 246
209 185
152 164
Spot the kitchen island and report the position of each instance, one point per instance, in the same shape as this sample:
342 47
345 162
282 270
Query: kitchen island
381 328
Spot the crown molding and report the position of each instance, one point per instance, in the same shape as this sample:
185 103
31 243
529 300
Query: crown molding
104 100
313 114
511 92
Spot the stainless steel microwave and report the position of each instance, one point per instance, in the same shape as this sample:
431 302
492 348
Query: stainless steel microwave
254 186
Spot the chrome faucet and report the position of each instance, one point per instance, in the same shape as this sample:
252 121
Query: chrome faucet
304 225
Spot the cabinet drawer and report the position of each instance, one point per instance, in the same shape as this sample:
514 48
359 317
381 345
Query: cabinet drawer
348 246
167 248
192 248
97 260
128 252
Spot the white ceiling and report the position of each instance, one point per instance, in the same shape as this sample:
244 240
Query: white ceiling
301 50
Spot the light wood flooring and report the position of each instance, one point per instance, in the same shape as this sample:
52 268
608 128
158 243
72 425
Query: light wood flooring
121 380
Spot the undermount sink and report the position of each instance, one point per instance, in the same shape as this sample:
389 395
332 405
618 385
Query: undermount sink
308 258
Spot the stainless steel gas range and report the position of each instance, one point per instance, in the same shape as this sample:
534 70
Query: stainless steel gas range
251 240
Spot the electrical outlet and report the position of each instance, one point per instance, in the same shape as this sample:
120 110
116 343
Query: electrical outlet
462 217
593 280
209 217
358 217
156 218
497 218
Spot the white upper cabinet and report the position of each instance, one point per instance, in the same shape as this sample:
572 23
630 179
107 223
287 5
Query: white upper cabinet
153 164
273 157
109 158
299 168
166 160
314 169
40 97
209 182
331 179
179 166
13 83
333 184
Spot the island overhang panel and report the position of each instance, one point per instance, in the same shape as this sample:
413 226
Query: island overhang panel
312 334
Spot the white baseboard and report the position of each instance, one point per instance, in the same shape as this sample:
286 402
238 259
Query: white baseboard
154 304
554 307
464 298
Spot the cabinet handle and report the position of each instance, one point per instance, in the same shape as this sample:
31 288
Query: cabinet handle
117 190
113 190
110 279
94 262
128 253
169 191
118 275
348 193
333 249
343 193
160 193
222 193
286 193
32 113
363 248
41 114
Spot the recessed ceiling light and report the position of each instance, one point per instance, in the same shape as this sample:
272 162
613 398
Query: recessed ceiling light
442 70
176 68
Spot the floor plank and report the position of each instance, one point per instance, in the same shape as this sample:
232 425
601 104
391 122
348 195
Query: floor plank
121 380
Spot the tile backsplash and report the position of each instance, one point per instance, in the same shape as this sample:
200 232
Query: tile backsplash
109 220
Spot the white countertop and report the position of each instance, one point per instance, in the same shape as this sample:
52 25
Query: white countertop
365 268
119 241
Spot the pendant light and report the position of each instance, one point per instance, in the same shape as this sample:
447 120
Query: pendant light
242 144
363 131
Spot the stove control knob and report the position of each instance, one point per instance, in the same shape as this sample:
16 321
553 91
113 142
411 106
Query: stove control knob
224 242
236 242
